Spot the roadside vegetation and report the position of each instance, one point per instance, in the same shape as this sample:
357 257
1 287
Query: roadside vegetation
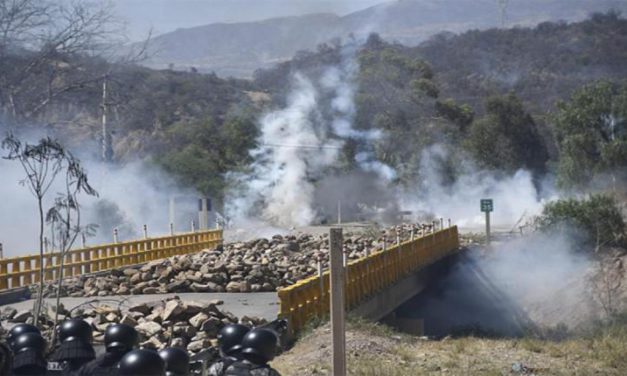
374 349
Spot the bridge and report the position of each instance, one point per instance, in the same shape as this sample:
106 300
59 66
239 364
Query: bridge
375 284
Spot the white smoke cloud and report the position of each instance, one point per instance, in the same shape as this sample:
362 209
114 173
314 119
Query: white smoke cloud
298 145
543 276
129 197
515 196
292 150
536 281
341 81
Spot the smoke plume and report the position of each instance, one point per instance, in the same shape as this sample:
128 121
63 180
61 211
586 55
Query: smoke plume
516 197
129 197
298 147
538 281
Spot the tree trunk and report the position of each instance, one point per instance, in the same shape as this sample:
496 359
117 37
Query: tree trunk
40 288
58 300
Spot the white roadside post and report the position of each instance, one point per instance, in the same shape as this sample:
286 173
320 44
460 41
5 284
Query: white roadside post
337 302
320 275
172 214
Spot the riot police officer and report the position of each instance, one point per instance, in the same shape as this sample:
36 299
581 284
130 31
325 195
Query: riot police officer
141 363
18 330
6 359
75 349
230 343
259 346
176 361
28 359
119 339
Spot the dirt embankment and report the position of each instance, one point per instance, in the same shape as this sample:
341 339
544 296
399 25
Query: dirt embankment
375 350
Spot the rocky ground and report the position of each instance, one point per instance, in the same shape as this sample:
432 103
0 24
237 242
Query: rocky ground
172 322
253 266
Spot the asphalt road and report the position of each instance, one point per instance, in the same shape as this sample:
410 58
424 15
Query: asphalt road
260 304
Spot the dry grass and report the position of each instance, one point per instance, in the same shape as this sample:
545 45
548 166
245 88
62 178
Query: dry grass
375 349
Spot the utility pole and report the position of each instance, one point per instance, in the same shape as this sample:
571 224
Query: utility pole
503 11
107 149
337 302
204 206
339 212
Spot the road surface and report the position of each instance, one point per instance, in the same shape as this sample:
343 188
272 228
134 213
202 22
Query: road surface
259 304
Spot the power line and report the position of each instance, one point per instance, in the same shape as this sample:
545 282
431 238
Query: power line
302 146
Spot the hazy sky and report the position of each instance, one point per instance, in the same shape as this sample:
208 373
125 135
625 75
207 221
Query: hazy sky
168 15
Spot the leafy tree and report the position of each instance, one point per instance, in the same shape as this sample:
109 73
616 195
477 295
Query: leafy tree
591 132
597 217
461 115
506 138
200 153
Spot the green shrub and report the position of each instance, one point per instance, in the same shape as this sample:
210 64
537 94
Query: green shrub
598 218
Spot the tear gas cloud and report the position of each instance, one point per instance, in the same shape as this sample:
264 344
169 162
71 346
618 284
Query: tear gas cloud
291 151
515 196
538 281
298 145
543 277
129 197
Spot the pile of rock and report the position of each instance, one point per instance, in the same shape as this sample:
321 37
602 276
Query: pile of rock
173 322
253 266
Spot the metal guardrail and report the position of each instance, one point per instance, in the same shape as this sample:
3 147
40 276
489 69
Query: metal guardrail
24 270
309 298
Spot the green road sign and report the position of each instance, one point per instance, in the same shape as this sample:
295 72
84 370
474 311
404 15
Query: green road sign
487 205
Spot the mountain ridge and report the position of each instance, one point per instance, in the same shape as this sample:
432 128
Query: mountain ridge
239 48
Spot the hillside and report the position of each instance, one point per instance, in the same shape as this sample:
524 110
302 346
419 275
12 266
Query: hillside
541 65
238 49
447 80
445 92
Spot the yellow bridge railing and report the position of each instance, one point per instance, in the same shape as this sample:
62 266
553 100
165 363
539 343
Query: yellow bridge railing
309 298
24 270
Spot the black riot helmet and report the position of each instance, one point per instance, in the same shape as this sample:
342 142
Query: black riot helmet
176 361
30 341
20 329
259 346
141 363
75 330
28 354
120 337
230 338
